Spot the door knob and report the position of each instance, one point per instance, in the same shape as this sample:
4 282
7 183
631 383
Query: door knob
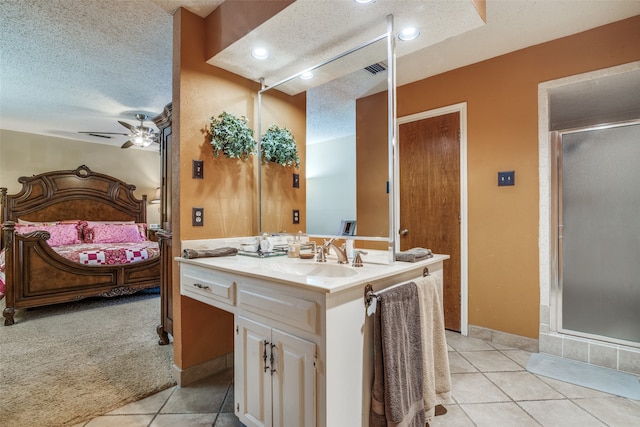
404 232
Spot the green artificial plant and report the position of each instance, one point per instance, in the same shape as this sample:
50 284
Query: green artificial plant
279 146
232 136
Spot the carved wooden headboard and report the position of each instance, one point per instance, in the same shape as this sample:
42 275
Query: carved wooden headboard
79 194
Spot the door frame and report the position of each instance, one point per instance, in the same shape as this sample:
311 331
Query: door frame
464 214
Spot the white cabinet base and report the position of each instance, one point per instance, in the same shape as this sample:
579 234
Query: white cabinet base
274 378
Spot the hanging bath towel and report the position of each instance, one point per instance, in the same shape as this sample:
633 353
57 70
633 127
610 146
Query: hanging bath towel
397 396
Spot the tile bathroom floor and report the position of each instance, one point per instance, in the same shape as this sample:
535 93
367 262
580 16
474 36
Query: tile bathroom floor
490 387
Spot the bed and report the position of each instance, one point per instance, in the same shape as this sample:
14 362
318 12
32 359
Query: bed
72 234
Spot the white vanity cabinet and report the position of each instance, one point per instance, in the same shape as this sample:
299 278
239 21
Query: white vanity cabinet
303 350
274 376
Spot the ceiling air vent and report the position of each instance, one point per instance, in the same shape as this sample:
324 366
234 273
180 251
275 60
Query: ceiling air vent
376 68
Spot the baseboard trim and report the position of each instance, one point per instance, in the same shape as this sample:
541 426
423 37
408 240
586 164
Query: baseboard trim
187 376
504 338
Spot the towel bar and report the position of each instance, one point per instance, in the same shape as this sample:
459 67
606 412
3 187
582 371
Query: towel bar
370 295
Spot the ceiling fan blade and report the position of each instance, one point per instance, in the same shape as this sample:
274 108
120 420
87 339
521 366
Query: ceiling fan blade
128 126
104 133
127 144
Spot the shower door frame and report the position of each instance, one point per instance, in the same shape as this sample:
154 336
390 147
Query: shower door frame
556 289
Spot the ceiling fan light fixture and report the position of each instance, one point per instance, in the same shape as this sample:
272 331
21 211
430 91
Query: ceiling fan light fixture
409 33
260 53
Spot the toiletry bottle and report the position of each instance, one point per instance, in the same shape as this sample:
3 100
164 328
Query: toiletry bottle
265 244
350 248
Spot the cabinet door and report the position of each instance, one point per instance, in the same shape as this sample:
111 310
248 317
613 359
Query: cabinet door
252 373
294 381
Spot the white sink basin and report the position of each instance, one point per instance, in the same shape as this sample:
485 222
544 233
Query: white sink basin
313 270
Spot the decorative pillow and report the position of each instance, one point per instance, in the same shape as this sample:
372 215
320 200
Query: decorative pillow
60 234
142 227
113 233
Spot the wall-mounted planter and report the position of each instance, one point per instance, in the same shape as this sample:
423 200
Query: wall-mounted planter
278 146
232 136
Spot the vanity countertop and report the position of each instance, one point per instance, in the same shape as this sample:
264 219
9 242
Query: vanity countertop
328 277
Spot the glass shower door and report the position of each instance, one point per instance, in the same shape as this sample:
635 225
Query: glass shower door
599 233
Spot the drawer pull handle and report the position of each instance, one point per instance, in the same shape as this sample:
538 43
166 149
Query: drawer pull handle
198 285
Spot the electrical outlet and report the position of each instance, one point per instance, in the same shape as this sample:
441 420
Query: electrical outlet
296 180
296 216
506 178
197 217
198 169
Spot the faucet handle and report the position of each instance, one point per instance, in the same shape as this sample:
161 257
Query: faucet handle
321 257
357 259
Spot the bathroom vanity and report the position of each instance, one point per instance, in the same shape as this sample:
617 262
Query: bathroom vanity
303 351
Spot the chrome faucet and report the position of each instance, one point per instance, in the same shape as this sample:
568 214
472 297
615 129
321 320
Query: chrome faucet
341 253
357 259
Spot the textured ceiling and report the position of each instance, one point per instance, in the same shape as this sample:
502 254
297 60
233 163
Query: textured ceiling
81 65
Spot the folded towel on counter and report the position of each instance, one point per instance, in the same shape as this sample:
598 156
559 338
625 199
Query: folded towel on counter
205 253
435 355
397 393
414 254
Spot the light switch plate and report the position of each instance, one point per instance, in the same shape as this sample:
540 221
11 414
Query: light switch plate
506 178
198 169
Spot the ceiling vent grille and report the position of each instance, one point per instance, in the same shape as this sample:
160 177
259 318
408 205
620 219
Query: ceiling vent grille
376 68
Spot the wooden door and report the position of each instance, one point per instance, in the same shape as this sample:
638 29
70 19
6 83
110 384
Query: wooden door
430 198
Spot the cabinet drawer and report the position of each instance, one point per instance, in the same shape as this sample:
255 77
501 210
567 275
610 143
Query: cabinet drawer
297 312
207 285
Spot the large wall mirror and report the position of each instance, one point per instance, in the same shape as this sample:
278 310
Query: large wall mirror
319 104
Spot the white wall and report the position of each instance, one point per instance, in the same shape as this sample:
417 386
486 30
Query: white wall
25 154
331 184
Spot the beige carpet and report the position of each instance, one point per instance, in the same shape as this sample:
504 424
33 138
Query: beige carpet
64 364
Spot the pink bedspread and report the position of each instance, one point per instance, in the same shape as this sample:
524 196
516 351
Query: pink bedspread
98 254
109 253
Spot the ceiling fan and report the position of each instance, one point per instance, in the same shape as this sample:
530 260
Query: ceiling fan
141 136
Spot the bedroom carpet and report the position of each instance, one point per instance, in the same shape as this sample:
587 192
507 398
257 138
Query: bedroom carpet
63 364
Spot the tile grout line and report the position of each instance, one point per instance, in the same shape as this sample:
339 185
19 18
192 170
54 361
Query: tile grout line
162 406
224 399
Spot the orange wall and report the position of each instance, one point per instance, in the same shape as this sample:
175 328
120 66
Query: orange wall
502 109
279 198
372 170
229 191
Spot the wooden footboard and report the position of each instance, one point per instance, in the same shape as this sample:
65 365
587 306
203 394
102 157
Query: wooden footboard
36 275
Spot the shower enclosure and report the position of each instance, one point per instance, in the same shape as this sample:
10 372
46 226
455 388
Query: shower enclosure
598 233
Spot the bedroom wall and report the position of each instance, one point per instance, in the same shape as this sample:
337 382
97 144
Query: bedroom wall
25 154
502 101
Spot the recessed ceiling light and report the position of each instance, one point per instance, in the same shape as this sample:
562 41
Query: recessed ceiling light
364 1
306 76
409 33
260 53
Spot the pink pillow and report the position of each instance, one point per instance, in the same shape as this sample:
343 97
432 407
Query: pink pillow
61 234
113 233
